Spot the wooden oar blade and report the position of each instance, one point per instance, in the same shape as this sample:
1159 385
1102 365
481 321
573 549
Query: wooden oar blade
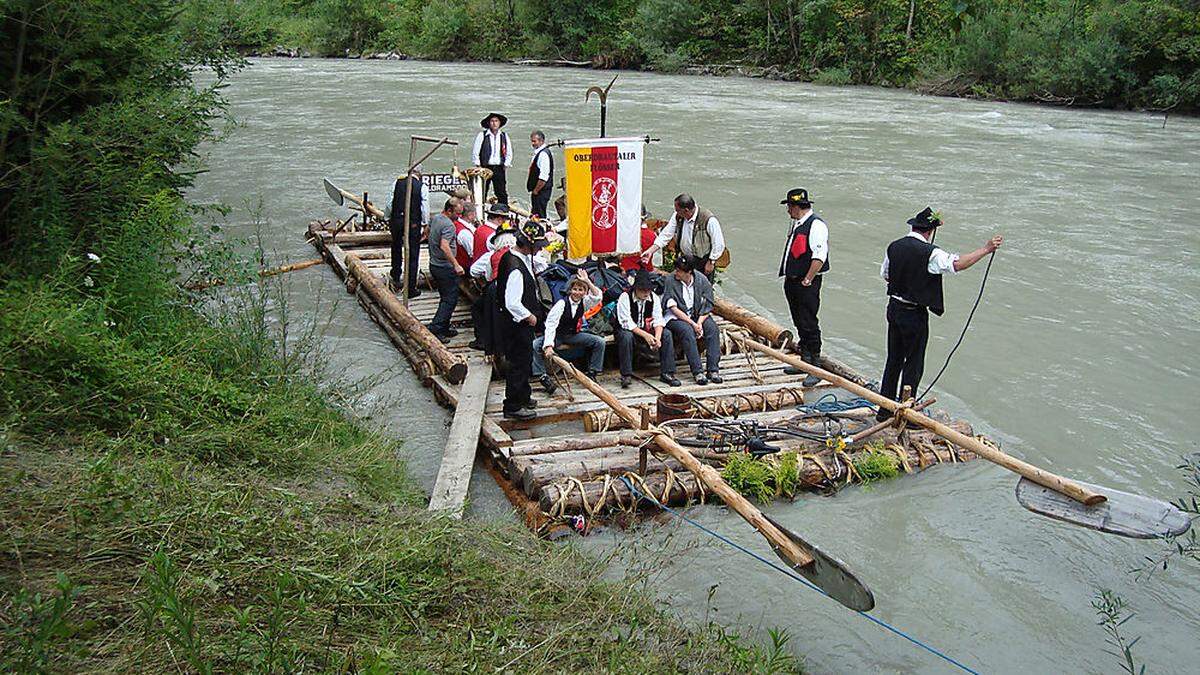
829 574
334 193
1124 514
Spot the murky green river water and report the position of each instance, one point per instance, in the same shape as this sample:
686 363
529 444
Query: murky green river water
1082 357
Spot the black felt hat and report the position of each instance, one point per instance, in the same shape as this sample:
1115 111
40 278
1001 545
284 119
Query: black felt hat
925 220
506 228
498 209
530 233
642 281
797 196
503 120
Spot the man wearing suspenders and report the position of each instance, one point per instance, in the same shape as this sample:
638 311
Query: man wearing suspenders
805 259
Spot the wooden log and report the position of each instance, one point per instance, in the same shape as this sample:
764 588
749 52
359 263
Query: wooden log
586 465
452 365
1040 476
786 547
770 331
421 365
684 488
454 474
838 368
774 397
358 238
546 446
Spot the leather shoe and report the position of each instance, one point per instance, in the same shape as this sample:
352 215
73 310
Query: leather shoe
700 379
810 381
476 344
521 414
792 370
592 374
548 385
626 381
452 332
530 405
883 414
715 377
670 380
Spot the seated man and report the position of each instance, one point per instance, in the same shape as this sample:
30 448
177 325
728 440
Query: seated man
688 297
639 314
564 329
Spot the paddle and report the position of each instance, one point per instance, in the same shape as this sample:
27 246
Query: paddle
826 572
1090 506
338 195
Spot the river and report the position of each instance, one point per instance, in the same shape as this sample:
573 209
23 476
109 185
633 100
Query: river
1081 358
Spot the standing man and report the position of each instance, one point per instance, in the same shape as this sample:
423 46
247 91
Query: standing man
493 151
521 314
497 216
696 233
564 331
541 174
688 296
444 267
639 316
913 269
416 205
805 260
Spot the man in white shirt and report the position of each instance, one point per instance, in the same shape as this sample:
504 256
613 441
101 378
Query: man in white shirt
493 151
805 260
521 313
640 316
913 268
696 233
564 331
688 299
541 174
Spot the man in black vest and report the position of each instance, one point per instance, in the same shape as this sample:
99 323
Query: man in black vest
413 203
565 333
913 269
493 151
805 260
541 174
521 314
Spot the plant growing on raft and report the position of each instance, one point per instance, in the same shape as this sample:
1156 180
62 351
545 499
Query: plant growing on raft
763 479
876 464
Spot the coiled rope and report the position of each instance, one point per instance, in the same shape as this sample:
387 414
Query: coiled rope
879 622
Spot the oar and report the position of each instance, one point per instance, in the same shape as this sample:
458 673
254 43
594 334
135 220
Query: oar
338 195
1094 507
822 570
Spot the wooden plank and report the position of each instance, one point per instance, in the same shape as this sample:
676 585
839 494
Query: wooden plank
493 435
454 476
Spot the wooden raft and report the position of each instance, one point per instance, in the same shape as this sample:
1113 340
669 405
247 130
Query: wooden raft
567 460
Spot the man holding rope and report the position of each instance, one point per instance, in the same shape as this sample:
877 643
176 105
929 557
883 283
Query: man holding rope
913 269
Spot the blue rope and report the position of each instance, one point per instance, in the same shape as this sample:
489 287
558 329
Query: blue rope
879 622
830 404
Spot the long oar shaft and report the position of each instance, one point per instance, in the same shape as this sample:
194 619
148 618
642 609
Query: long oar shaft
704 473
1040 476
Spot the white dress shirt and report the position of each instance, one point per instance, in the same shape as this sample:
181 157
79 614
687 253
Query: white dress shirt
466 237
689 297
667 233
556 314
495 157
542 157
625 312
818 238
514 286
482 267
940 261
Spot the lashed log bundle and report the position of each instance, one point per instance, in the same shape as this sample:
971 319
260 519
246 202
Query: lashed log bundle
772 332
923 450
452 365
773 397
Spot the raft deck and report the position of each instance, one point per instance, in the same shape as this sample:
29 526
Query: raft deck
567 459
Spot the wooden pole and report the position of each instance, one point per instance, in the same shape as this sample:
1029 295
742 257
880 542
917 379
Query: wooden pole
876 428
770 331
446 361
1040 476
706 474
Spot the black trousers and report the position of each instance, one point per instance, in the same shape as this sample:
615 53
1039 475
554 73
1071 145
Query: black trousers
414 241
498 183
446 282
519 354
804 303
539 202
907 335
629 344
483 312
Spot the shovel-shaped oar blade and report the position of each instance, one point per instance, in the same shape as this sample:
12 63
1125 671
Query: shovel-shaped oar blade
1124 514
828 574
334 193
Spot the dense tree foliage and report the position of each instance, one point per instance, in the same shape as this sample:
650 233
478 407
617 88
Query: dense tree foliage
1124 53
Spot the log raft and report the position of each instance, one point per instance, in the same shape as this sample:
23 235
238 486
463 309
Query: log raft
570 459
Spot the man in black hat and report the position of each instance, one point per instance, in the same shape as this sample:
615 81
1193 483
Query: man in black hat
913 269
640 315
805 260
493 151
521 314
416 204
541 174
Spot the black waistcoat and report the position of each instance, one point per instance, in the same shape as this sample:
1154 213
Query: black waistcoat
531 182
639 320
530 296
908 273
485 150
414 203
569 324
797 265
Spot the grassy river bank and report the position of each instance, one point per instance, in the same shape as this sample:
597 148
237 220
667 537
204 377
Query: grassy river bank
176 491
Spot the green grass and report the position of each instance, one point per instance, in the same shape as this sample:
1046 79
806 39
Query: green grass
876 464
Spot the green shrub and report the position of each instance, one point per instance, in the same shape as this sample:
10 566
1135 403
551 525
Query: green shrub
833 76
876 464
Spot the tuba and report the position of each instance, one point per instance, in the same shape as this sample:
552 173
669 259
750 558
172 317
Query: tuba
477 178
